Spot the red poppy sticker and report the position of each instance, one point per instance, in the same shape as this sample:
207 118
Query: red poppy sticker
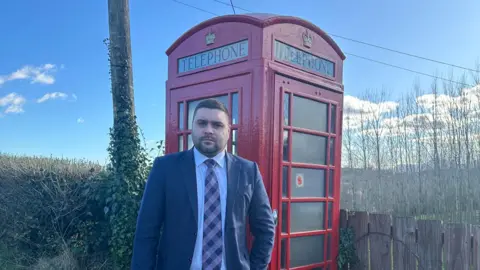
299 180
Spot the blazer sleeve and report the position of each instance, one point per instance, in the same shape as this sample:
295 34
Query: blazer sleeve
261 224
150 219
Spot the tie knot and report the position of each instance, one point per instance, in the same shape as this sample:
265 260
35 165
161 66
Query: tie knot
210 163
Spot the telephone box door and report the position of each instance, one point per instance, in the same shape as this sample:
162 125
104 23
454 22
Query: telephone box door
307 185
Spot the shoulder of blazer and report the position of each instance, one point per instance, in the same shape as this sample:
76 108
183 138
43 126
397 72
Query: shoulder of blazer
240 161
173 159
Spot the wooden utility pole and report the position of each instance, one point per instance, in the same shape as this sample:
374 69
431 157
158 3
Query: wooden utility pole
120 58
127 160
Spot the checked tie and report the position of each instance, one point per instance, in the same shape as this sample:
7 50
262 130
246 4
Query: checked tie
212 223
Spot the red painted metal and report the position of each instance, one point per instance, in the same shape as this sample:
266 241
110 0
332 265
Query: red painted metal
260 81
260 20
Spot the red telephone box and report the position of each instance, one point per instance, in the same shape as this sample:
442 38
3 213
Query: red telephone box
281 79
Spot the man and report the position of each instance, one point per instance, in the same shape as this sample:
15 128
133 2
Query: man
201 199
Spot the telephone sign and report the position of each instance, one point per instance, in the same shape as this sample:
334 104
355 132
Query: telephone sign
214 56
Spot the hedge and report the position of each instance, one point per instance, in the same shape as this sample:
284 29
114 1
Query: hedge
53 214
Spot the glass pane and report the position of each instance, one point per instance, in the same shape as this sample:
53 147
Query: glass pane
180 143
333 119
283 254
190 141
330 214
286 146
329 247
309 148
307 216
330 183
234 142
234 108
284 217
332 151
193 104
310 114
301 250
286 109
285 182
308 182
181 118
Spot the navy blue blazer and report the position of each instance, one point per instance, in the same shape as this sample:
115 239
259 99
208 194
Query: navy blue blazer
169 205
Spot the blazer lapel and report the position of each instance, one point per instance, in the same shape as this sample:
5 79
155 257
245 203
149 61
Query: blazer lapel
232 185
190 180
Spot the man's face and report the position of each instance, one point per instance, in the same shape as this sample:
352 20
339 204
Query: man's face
210 131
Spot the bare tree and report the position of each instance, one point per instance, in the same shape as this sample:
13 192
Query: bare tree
348 138
419 120
401 134
375 112
363 138
393 147
476 112
452 90
465 110
435 128
409 113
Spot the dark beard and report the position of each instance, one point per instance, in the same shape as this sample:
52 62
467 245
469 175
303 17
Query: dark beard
209 151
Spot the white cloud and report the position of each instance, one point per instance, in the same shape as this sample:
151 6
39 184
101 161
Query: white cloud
80 120
428 101
468 97
443 111
54 95
364 108
391 123
357 111
39 74
12 103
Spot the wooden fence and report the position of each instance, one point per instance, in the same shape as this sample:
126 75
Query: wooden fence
385 242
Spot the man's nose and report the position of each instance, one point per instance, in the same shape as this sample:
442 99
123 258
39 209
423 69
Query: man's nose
209 128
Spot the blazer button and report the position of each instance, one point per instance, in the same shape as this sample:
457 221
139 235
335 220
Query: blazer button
195 234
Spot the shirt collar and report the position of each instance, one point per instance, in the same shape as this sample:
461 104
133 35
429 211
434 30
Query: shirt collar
200 158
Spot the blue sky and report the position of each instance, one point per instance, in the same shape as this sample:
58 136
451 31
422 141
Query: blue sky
54 50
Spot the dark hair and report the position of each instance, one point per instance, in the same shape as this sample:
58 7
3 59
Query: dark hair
211 103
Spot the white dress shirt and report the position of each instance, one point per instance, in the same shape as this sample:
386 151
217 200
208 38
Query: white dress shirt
221 172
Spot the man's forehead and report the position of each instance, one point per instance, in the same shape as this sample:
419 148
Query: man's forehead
207 120
206 113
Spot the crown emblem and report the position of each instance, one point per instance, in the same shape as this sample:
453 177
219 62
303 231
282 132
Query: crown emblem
210 38
307 39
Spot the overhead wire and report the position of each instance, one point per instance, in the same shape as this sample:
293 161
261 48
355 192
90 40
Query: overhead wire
233 8
225 3
365 43
404 53
382 47
194 7
231 4
410 70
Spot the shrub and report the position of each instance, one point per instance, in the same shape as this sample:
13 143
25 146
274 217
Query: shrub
50 204
63 213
